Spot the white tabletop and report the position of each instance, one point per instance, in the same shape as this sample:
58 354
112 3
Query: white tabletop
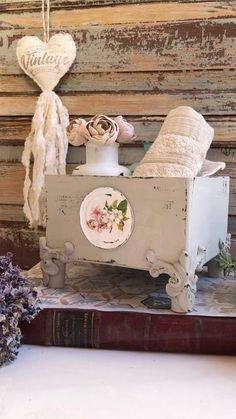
67 383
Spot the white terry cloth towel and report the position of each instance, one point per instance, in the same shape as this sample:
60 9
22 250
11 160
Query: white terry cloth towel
180 148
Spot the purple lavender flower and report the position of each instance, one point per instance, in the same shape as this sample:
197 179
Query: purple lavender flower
17 302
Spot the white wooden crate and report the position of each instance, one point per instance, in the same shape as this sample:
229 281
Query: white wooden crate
172 225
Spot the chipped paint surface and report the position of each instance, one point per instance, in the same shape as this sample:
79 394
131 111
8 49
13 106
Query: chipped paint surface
157 218
22 243
134 58
138 47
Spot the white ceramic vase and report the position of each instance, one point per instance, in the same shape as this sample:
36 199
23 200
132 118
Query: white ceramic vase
101 161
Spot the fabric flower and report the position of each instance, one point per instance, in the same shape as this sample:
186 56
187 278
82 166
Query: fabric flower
76 131
126 130
101 130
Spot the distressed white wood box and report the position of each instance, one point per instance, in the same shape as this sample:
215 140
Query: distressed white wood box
164 225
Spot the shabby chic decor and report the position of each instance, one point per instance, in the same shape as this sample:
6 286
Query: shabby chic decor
180 148
45 62
162 225
106 218
102 161
100 130
101 136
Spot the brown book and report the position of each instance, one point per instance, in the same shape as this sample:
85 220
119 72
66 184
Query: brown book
115 308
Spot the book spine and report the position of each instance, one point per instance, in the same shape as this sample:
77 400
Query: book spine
132 331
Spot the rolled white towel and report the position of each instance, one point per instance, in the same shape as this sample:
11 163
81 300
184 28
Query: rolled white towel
180 148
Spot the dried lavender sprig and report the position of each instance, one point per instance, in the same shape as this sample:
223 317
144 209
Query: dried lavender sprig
17 302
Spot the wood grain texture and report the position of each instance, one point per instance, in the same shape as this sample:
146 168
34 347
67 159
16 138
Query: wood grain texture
13 131
32 5
128 154
136 58
128 104
155 46
124 14
171 82
11 183
22 242
12 214
12 174
232 226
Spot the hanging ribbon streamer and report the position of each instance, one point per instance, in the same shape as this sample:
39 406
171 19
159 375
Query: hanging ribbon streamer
45 62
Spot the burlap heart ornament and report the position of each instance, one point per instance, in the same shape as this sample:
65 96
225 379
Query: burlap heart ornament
46 62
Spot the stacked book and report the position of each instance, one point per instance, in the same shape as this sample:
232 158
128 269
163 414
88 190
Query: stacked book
109 307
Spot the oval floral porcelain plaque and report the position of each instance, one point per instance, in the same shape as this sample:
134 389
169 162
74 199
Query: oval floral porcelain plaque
106 218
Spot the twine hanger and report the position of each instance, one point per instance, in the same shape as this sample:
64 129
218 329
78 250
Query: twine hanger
46 20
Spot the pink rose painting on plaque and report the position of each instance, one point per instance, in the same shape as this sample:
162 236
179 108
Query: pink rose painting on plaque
106 218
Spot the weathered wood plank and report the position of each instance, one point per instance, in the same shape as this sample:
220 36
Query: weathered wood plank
11 183
12 178
12 213
76 155
22 242
32 5
10 153
122 14
148 44
13 131
232 225
231 171
126 104
140 47
128 154
228 155
174 82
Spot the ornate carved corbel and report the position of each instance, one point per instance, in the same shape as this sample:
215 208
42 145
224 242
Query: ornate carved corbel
181 286
53 263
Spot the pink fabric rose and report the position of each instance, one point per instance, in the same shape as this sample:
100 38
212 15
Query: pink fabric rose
101 130
126 130
76 132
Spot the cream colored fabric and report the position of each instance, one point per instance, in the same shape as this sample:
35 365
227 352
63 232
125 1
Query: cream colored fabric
210 168
180 148
46 62
47 143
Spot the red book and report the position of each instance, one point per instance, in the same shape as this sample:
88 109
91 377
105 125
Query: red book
106 307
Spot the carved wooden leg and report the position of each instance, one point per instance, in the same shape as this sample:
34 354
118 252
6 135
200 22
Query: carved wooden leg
53 263
181 286
53 273
182 289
